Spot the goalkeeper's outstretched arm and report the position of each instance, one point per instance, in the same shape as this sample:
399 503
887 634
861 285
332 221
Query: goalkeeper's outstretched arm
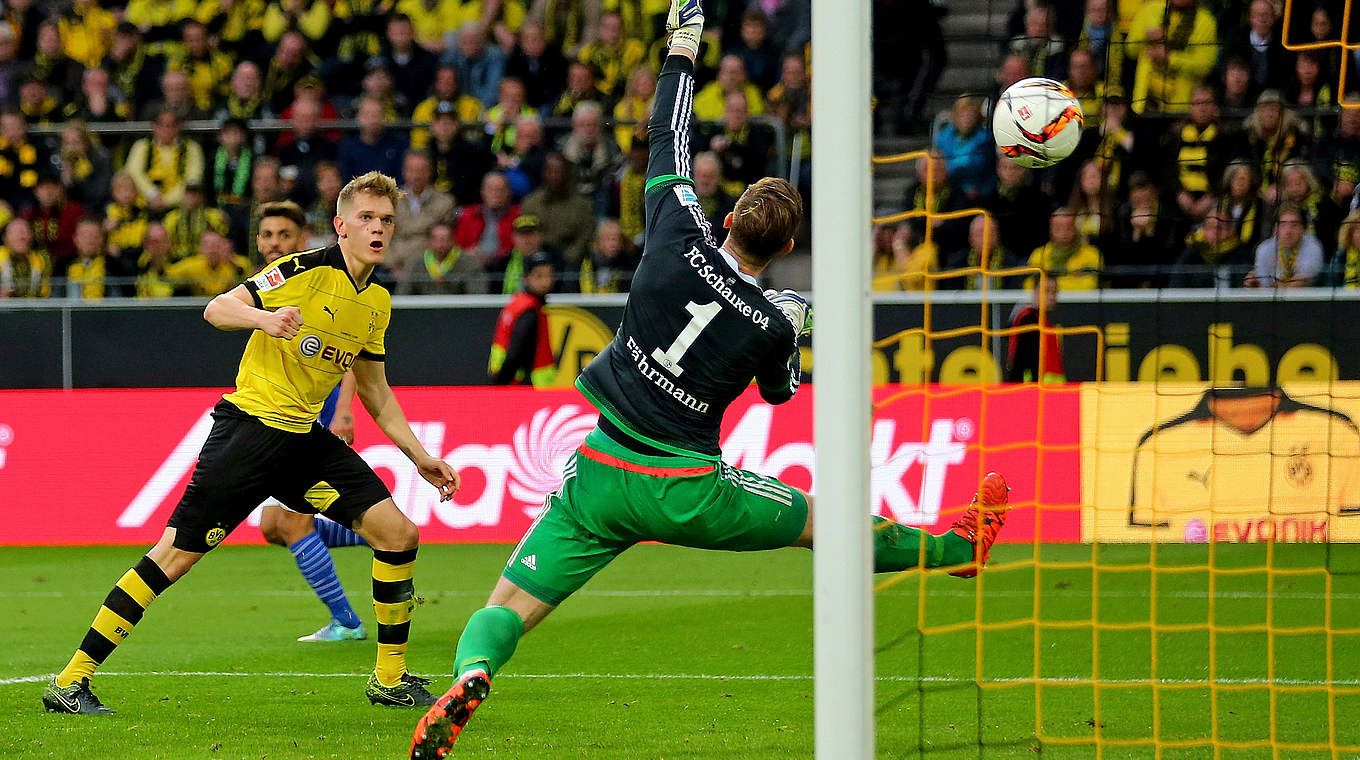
670 159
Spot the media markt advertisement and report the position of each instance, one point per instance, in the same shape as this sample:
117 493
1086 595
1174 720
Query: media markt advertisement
108 466
1195 463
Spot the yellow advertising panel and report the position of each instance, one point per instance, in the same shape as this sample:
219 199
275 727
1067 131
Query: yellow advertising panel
1192 463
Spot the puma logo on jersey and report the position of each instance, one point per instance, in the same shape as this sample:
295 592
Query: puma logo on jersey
530 561
1200 477
328 310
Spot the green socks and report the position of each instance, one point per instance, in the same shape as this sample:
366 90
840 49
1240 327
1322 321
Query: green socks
488 640
897 547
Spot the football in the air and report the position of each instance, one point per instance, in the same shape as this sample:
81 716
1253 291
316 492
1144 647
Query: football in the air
1037 122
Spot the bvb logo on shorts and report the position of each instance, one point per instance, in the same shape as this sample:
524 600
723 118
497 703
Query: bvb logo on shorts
310 346
214 537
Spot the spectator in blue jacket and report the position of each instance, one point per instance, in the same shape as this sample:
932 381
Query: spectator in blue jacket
374 148
479 65
967 149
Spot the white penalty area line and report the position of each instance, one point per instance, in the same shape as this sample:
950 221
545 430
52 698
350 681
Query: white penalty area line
758 593
1052 681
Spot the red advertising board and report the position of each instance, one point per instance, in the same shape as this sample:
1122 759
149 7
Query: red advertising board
107 466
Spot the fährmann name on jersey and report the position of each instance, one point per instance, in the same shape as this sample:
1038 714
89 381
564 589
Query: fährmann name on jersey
661 381
716 280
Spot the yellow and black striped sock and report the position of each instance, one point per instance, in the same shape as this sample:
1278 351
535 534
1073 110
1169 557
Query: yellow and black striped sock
394 594
121 610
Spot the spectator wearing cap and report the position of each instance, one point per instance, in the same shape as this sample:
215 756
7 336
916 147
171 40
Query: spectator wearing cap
480 66
85 31
591 150
163 164
133 70
581 88
447 271
418 211
20 160
209 70
186 223
523 161
446 98
373 148
25 271
99 100
1175 44
459 163
411 66
540 66
53 219
502 117
214 269
528 243
567 217
710 102
612 54
485 229
58 73
1274 137
521 352
305 146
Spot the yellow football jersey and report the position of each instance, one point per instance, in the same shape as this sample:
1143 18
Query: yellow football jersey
284 383
1287 480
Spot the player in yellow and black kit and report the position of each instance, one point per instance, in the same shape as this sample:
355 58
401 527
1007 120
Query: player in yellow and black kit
314 314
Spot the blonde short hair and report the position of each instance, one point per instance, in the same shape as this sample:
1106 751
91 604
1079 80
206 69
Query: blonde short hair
372 183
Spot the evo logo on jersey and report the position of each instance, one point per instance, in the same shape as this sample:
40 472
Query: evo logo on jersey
311 346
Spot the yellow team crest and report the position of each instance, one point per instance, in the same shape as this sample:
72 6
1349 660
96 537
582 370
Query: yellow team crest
214 537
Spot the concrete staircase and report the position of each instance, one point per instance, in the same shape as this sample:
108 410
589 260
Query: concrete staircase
972 29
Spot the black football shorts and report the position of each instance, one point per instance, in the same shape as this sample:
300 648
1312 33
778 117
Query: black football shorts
245 461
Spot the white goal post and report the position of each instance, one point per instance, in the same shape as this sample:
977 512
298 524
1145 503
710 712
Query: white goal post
843 608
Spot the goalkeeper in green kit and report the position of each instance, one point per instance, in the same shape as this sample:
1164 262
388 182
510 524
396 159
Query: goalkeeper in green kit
696 330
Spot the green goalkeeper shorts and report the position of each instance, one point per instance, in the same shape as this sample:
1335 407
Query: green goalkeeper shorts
612 498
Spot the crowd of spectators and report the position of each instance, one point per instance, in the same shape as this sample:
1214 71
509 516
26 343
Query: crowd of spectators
1211 155
515 127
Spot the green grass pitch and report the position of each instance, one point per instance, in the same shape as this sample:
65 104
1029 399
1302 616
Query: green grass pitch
676 653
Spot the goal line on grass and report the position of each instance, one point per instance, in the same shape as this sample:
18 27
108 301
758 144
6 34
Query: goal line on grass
1059 681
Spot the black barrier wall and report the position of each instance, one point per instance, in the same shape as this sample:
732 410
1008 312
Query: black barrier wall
130 345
